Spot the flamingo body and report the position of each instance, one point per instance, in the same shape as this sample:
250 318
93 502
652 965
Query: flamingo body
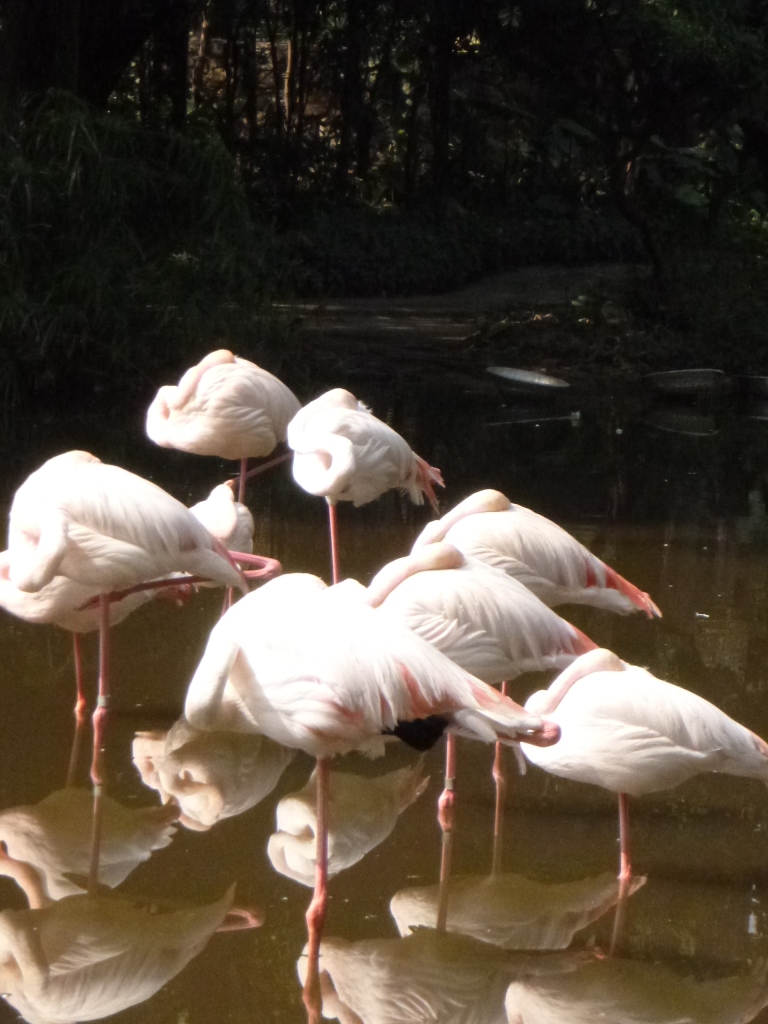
362 812
625 730
106 528
537 552
209 775
63 602
315 669
225 406
87 957
510 911
54 836
634 992
226 519
344 453
479 617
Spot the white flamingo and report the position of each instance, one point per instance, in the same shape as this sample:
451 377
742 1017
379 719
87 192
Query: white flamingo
625 730
549 561
224 406
342 452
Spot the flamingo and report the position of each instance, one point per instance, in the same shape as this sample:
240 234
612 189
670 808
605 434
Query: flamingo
224 406
423 977
362 812
342 452
72 606
87 957
226 519
103 527
534 550
625 730
635 992
208 775
485 621
54 836
511 911
313 668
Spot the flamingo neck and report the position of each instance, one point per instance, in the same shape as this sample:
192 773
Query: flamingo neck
432 557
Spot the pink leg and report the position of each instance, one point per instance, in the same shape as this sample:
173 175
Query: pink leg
500 780
316 910
334 543
80 707
99 724
620 916
445 817
241 482
625 866
251 473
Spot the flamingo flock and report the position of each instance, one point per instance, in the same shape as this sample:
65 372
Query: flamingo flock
330 669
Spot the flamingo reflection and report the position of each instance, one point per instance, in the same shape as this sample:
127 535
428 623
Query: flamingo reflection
209 776
362 812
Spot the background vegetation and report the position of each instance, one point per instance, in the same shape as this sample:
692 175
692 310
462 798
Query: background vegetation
168 166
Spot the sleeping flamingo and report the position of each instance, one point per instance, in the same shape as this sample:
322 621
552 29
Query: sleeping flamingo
482 619
72 606
625 730
105 528
344 453
224 406
534 550
315 669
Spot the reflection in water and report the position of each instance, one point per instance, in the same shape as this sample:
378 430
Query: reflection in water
54 836
511 911
87 957
210 775
361 814
424 977
683 516
627 992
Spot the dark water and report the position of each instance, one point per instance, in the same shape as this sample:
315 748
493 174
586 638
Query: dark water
675 499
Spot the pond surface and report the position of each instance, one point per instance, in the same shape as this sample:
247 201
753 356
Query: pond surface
674 498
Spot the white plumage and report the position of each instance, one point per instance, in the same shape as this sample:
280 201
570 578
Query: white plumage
315 669
362 812
630 992
106 528
511 911
87 957
54 836
535 551
225 406
226 519
209 775
344 453
479 617
625 730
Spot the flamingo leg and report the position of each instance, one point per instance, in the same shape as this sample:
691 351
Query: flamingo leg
251 473
620 917
500 781
316 910
625 865
242 479
445 817
99 725
334 541
80 708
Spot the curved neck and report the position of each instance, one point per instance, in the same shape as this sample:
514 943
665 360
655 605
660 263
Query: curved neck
433 556
28 879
